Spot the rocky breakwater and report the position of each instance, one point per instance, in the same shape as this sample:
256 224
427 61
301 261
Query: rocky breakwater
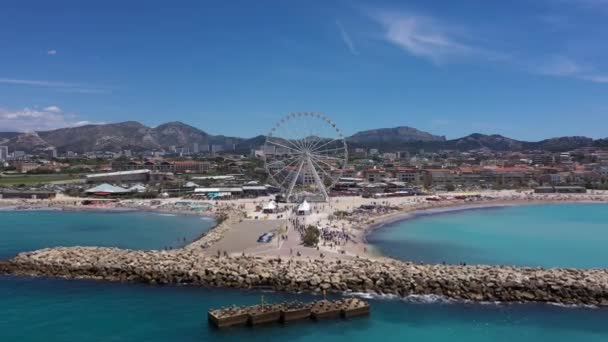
478 283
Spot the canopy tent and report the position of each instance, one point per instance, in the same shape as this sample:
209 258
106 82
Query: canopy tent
107 189
304 208
137 188
270 207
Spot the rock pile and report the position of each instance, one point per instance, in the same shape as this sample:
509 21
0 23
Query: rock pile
478 283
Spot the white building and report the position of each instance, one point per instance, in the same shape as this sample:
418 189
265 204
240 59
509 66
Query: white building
3 152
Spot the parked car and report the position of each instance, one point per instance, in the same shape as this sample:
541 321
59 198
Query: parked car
266 237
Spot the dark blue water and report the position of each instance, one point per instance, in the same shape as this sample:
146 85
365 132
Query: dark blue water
31 230
556 235
37 309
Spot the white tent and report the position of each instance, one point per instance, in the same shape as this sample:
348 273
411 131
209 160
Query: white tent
107 189
137 188
304 208
270 207
191 185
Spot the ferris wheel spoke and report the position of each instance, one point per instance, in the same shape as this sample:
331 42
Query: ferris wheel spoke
284 146
313 147
295 141
295 179
289 128
317 160
284 167
330 150
322 170
321 157
318 181
286 178
282 161
327 143
315 140
311 133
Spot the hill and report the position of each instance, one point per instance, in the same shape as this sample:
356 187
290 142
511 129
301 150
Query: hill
132 135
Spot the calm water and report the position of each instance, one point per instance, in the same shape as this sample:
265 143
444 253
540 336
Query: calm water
37 309
30 230
559 235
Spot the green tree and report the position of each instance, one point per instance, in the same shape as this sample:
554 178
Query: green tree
311 236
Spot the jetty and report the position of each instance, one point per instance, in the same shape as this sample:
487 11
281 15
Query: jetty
389 277
287 312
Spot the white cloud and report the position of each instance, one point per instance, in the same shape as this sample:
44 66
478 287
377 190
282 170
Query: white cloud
430 38
51 52
590 3
35 83
562 66
422 36
32 119
52 109
60 86
347 40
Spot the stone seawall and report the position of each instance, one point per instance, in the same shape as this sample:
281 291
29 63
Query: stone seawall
478 283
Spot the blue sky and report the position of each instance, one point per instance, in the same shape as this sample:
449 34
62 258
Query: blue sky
528 69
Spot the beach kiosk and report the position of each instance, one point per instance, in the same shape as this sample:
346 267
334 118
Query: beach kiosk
304 208
270 207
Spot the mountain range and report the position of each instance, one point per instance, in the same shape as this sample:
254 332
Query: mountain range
132 135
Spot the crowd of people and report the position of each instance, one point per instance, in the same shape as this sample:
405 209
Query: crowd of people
334 238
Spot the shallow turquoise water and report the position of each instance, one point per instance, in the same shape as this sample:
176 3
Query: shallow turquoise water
557 235
30 230
39 309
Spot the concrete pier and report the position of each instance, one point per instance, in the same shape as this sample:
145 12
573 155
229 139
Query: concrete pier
287 312
353 307
326 309
295 311
228 317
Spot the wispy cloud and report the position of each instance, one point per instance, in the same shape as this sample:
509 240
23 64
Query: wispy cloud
60 86
589 3
422 36
51 52
430 38
346 39
562 66
52 109
32 119
36 83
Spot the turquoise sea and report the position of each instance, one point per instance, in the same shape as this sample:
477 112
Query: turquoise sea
555 235
39 309
30 230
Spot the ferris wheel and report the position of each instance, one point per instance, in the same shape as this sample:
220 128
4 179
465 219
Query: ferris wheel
305 155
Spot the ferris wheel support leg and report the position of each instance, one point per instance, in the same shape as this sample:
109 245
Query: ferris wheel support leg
317 179
294 180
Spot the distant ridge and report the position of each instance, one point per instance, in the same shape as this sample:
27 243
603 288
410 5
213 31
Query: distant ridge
132 135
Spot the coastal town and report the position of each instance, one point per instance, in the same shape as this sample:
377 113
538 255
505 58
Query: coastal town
218 173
